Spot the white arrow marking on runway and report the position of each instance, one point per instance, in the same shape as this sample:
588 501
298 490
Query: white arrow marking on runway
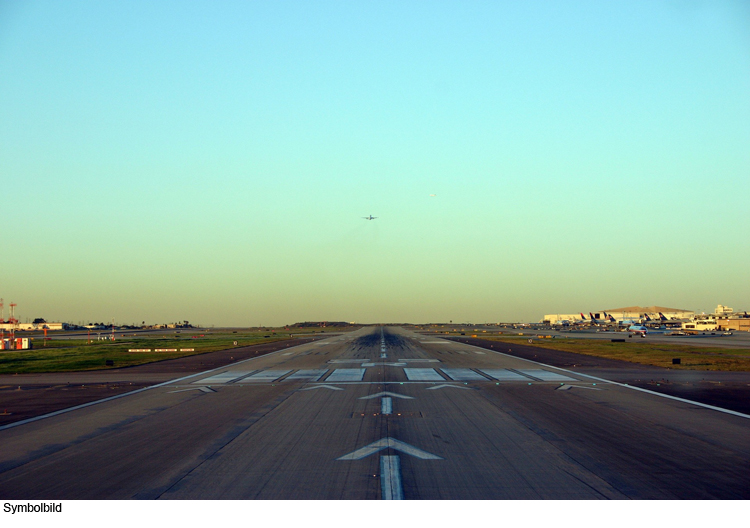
446 385
322 387
202 389
385 443
386 394
568 387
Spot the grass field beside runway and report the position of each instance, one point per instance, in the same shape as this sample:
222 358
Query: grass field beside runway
637 351
76 355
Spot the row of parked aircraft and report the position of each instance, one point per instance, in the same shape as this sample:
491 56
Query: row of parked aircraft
635 326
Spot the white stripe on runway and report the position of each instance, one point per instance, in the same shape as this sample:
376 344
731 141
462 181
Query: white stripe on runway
345 374
463 374
545 375
390 477
264 376
422 374
386 405
224 377
307 374
504 375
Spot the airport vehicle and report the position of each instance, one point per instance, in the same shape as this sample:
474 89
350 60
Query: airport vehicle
369 217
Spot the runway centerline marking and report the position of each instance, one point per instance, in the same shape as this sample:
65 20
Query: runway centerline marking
386 405
390 478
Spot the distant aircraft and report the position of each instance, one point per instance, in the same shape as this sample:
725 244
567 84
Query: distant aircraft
638 329
606 320
369 217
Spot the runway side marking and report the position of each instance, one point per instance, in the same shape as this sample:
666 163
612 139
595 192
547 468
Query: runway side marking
386 405
390 478
446 385
288 353
322 387
385 443
386 393
202 389
478 352
699 404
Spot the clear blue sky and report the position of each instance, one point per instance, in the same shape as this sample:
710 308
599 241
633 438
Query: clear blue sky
210 161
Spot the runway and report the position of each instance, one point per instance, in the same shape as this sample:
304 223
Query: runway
382 414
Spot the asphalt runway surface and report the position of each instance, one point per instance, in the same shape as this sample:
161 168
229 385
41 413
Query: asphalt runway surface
366 415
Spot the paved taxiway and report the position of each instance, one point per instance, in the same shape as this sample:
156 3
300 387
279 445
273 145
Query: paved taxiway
365 416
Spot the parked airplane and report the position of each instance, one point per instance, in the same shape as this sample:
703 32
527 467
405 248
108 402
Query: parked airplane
638 329
606 320
369 217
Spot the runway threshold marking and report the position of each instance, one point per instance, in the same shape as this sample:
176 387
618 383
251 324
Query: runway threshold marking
422 374
264 376
390 478
392 443
346 374
463 374
504 375
307 374
544 375
224 377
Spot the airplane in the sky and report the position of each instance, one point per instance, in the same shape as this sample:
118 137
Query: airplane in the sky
369 217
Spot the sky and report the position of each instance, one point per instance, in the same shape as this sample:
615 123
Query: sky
212 161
